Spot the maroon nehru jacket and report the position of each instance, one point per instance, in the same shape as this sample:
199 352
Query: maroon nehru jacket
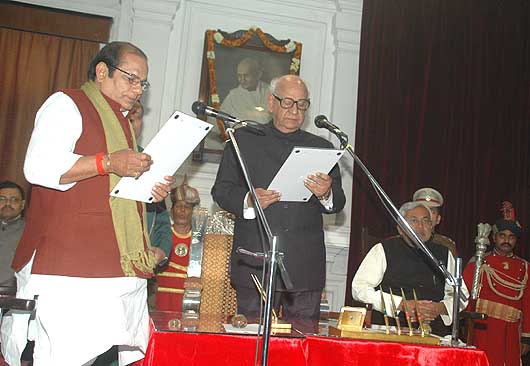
72 231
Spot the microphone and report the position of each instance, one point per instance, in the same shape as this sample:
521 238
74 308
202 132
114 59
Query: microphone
322 121
200 108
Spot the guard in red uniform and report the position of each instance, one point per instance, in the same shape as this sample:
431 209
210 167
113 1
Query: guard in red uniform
503 295
171 282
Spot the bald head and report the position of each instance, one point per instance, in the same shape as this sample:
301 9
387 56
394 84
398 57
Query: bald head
249 72
288 81
291 89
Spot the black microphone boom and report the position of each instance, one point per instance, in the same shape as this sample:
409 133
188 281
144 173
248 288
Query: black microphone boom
322 121
200 108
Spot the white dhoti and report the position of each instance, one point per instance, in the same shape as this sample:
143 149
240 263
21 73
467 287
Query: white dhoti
77 319
15 324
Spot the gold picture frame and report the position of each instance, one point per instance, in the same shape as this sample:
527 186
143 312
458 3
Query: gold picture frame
222 53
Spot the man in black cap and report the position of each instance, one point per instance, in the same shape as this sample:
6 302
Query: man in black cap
503 295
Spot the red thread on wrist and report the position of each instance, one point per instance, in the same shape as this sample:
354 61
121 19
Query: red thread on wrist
99 164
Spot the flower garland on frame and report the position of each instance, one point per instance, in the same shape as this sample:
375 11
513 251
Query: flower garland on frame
215 36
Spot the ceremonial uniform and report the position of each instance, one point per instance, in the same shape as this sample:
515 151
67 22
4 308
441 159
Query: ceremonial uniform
170 290
503 297
434 200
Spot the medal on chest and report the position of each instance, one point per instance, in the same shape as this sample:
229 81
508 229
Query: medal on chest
181 250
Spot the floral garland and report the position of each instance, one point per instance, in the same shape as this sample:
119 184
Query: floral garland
215 36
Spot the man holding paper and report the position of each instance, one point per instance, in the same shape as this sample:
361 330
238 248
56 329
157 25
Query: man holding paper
85 254
298 225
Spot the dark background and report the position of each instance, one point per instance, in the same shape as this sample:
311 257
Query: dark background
443 102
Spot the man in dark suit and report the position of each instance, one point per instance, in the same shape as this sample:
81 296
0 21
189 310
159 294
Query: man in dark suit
298 225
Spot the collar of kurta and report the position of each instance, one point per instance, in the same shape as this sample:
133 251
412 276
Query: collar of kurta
280 133
12 222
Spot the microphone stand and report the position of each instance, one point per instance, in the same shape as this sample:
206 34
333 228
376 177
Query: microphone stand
454 281
273 256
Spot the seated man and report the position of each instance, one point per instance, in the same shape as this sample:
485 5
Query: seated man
170 290
12 225
396 263
11 228
503 295
432 198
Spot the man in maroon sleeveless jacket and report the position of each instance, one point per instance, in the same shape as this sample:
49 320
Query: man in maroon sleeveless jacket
85 254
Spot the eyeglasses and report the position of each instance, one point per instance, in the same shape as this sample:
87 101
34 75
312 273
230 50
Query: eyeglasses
414 221
4 200
287 103
133 79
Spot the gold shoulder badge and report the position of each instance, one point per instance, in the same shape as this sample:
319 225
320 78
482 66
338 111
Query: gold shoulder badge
181 250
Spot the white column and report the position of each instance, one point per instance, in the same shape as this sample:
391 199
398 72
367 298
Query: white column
152 22
346 34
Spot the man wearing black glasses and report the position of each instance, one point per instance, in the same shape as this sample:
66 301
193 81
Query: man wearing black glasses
297 224
87 255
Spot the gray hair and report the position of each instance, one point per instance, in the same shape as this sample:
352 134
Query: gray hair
274 83
407 206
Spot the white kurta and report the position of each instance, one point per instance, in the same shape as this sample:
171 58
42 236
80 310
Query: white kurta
371 272
76 318
248 105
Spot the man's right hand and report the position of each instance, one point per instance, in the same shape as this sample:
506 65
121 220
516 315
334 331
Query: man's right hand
128 163
265 197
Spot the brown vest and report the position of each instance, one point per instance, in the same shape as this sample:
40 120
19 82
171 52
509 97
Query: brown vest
72 231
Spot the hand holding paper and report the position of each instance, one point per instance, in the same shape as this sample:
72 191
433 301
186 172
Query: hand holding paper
161 190
168 150
319 184
128 163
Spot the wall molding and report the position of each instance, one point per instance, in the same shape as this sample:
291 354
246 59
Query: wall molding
157 11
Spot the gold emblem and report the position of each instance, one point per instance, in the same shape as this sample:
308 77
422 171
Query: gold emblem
505 265
181 250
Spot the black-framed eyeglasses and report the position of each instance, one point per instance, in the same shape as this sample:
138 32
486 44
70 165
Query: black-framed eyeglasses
287 103
133 79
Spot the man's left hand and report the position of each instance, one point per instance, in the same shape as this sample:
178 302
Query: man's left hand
161 190
319 184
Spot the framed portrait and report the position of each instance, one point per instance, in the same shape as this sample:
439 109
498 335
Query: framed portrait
236 72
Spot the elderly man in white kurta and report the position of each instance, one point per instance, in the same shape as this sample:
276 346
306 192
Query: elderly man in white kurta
249 100
396 264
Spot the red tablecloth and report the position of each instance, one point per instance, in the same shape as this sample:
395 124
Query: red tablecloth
196 349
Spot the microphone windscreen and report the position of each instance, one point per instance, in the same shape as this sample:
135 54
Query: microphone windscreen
198 107
319 120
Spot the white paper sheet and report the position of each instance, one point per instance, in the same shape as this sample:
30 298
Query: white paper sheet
302 161
168 150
